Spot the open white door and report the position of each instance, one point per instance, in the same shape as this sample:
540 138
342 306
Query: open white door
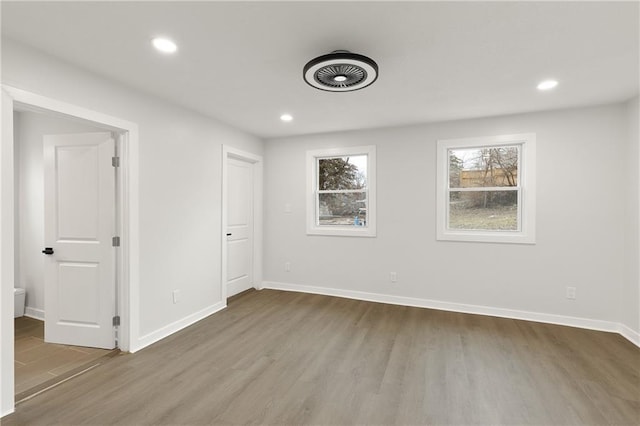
240 239
79 193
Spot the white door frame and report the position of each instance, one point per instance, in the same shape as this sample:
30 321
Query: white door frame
227 153
127 221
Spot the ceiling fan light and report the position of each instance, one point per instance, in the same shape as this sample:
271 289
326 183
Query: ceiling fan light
340 71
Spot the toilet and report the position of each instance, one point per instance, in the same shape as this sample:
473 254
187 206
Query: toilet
18 302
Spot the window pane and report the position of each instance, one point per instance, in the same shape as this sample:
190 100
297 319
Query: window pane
483 167
484 210
342 173
343 209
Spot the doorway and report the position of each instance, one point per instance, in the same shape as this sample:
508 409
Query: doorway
60 204
65 220
241 221
125 216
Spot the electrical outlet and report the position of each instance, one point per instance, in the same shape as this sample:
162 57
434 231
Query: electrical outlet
287 208
571 293
287 266
393 276
176 296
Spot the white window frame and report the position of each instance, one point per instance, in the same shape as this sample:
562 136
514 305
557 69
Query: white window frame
313 227
526 234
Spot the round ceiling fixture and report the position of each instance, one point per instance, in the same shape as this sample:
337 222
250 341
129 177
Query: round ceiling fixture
164 45
547 84
340 71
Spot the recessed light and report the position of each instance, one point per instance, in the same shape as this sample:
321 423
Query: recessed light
547 85
164 45
286 117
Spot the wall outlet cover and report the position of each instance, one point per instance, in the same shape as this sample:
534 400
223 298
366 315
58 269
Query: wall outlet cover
571 293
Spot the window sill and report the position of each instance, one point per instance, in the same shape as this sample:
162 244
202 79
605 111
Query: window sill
486 237
342 232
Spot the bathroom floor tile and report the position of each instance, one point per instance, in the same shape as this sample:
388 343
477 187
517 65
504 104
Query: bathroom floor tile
37 362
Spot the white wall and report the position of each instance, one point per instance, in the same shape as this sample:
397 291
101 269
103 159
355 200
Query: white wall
580 220
179 186
631 291
29 129
180 181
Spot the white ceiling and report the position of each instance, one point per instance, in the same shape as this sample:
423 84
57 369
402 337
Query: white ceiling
241 62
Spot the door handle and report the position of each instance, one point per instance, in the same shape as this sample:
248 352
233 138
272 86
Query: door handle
229 234
48 250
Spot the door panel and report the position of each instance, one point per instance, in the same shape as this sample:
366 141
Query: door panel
239 226
79 224
240 194
79 282
239 254
77 206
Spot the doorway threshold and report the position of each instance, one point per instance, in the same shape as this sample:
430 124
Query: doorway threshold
62 378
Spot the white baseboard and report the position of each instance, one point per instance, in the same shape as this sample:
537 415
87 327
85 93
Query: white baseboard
175 326
34 313
629 334
8 411
586 323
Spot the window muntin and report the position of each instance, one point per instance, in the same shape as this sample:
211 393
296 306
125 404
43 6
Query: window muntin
340 199
486 189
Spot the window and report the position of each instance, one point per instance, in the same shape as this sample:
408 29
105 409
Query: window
486 189
341 191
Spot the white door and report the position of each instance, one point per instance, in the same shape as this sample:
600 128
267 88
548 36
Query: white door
240 175
79 194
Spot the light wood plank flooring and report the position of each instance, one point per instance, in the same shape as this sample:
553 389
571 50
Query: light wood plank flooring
38 363
289 358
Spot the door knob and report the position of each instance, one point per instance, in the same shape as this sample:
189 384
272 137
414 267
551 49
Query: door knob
48 250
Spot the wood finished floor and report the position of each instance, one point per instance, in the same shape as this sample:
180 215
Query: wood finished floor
37 362
287 358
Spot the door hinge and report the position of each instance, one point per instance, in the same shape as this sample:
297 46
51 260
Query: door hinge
115 241
116 321
115 161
